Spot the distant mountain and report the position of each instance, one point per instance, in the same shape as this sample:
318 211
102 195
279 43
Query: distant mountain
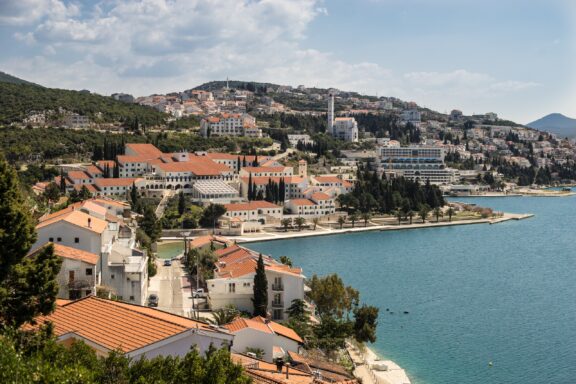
556 123
6 78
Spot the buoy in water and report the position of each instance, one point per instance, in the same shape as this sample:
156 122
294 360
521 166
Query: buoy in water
490 364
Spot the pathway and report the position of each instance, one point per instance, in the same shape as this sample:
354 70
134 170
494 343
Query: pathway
162 205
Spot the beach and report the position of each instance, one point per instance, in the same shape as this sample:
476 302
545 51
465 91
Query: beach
364 362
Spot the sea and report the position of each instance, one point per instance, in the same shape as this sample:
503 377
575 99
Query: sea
469 304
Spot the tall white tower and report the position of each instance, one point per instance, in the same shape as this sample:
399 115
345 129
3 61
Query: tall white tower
331 94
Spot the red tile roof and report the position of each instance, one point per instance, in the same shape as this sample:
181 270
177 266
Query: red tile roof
198 166
116 325
147 150
302 202
264 169
77 218
78 175
320 196
279 329
263 180
75 254
251 206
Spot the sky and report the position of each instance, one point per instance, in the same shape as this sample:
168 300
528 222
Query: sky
513 57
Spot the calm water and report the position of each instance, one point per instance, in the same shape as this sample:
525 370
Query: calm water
170 249
503 293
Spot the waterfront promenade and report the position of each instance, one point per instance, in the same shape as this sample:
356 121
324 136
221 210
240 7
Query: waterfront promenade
322 231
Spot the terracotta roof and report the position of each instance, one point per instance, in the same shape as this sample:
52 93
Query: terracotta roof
144 149
236 261
116 325
89 187
103 163
250 206
205 240
78 175
93 170
61 302
331 371
77 218
263 180
198 166
279 329
107 201
122 159
112 182
241 323
264 169
301 202
320 196
75 254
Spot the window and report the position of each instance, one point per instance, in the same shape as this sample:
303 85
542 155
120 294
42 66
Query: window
59 239
88 271
51 239
71 276
88 292
277 314
131 298
112 276
232 287
76 240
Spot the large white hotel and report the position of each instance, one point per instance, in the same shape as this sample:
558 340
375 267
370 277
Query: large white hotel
416 163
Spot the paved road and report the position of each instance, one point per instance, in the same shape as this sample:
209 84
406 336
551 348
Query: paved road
167 284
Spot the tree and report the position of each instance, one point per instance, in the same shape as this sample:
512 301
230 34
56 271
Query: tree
353 219
224 315
423 213
341 221
181 203
260 300
399 215
331 296
366 216
286 260
52 192
211 215
134 196
411 216
438 213
84 194
62 183
150 224
299 221
298 309
365 323
450 213
28 286
286 223
315 221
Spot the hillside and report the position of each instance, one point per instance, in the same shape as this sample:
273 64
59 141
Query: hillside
18 100
556 123
6 78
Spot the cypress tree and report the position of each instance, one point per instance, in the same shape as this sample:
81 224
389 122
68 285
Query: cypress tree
244 162
238 165
250 190
181 203
62 182
134 196
260 300
27 284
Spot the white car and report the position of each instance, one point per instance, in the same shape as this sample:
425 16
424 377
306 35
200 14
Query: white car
198 293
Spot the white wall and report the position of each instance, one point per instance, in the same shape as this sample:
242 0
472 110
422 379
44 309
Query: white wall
252 338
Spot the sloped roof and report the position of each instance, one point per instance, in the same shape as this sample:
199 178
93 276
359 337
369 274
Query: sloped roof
141 149
78 175
79 219
279 329
198 165
75 254
116 325
240 323
252 205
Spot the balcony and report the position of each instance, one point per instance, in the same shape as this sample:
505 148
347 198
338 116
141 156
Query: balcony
278 287
277 304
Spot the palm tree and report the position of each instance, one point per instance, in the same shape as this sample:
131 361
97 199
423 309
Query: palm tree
399 215
341 221
315 221
438 213
411 215
286 223
451 212
299 221
366 216
424 212
224 316
353 218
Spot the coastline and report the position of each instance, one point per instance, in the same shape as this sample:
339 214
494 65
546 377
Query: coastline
364 361
328 232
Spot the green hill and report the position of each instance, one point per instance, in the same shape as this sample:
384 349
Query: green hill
17 100
6 78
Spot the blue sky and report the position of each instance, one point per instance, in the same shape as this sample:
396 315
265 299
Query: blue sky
512 57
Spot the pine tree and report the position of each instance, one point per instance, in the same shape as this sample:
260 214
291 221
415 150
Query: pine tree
250 189
181 203
134 196
27 285
62 182
260 300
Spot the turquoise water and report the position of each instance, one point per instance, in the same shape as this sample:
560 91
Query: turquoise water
476 294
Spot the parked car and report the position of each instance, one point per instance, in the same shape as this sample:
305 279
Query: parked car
153 300
167 262
198 293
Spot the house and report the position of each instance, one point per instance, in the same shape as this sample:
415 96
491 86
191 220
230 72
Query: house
273 338
266 171
329 372
137 331
230 124
234 277
332 185
318 204
260 211
79 274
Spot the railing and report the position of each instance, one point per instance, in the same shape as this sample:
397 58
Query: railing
278 287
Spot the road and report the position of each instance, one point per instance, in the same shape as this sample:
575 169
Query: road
167 284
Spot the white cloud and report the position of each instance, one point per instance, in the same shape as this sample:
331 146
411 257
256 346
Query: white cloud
151 46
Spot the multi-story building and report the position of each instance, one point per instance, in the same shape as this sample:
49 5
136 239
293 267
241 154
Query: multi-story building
345 128
230 124
260 211
234 278
416 163
317 205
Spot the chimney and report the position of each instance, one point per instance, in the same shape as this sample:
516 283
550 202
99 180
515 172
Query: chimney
287 369
89 222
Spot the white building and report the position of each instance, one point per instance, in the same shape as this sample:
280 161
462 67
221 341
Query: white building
274 339
260 211
230 124
304 139
411 116
416 163
345 128
234 278
317 205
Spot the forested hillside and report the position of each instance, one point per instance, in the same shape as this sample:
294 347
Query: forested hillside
17 100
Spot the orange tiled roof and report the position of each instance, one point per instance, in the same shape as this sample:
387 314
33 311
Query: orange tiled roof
205 240
77 218
320 196
89 187
279 329
122 159
78 175
250 206
332 179
236 261
69 253
198 166
112 182
93 170
241 323
116 325
148 150
103 163
264 169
